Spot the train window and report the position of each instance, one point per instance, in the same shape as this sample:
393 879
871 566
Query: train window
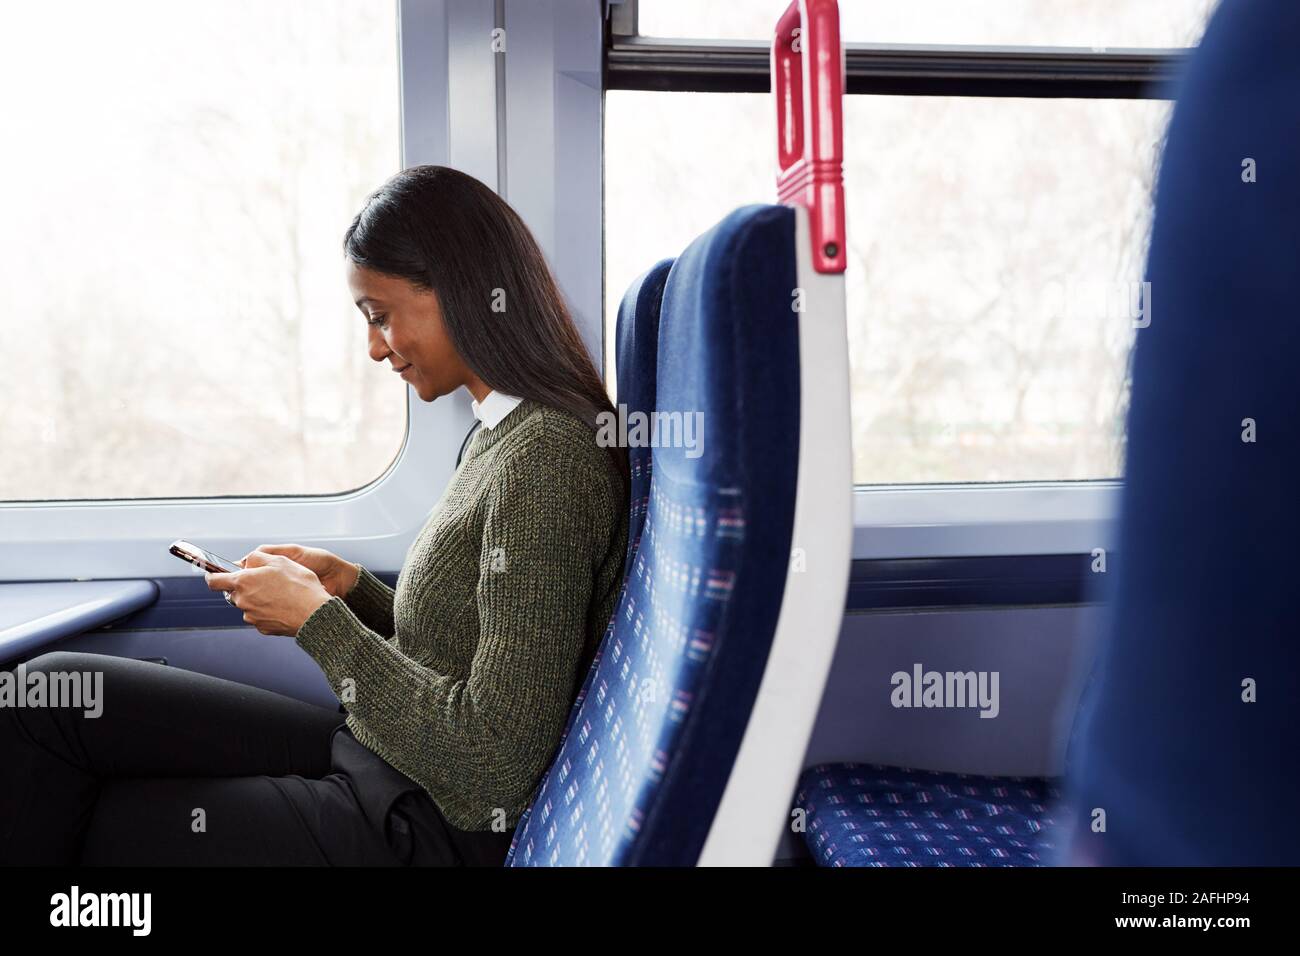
1078 23
194 166
997 242
995 247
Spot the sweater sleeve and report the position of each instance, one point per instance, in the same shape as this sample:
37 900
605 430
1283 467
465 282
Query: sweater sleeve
484 741
371 600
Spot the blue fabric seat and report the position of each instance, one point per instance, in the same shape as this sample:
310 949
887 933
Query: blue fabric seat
636 355
1187 740
868 815
652 738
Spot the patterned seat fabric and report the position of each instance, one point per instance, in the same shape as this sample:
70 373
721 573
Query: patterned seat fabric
653 735
869 815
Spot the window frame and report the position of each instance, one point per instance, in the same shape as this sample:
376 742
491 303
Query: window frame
894 69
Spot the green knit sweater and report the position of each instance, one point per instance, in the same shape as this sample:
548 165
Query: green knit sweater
462 678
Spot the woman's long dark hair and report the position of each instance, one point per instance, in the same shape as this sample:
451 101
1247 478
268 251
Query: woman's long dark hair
449 233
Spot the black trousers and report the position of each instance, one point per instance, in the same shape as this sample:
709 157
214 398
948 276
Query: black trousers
182 768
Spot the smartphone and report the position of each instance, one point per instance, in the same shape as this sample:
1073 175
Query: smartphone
201 558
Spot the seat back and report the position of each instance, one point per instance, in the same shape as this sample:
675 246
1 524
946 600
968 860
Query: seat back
686 742
1187 741
637 351
651 743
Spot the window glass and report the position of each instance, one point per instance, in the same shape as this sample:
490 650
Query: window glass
996 250
1076 23
176 181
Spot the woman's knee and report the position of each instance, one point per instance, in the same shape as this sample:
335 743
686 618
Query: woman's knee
53 682
58 662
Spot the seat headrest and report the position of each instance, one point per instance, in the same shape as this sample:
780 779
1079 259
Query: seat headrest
741 276
637 338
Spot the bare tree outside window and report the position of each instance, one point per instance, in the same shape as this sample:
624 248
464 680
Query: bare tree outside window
996 245
177 178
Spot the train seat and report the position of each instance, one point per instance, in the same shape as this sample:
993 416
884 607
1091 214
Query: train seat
857 814
689 732
1186 740
636 352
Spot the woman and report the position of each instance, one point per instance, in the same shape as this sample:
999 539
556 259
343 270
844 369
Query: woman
456 684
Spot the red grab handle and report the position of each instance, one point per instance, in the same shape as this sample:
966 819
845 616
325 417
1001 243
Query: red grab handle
808 83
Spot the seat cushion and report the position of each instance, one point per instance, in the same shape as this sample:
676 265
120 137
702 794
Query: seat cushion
869 815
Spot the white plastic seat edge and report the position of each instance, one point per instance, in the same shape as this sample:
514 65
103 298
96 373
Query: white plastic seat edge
755 806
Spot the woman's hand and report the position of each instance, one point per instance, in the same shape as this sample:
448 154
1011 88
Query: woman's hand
336 575
277 595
